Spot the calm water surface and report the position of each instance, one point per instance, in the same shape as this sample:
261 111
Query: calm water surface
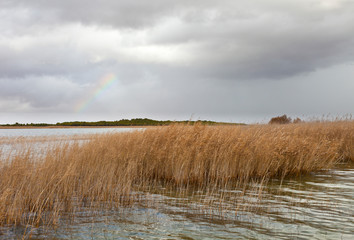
35 132
39 140
315 206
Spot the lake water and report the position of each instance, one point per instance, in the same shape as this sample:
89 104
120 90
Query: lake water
41 139
315 206
35 132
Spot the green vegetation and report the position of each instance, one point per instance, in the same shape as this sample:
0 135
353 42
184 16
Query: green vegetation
284 120
27 125
123 122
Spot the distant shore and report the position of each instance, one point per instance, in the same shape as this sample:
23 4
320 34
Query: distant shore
46 127
123 123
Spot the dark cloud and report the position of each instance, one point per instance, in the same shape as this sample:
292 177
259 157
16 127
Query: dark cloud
224 39
176 58
124 13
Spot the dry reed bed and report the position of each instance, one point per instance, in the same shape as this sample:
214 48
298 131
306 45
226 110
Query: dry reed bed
104 172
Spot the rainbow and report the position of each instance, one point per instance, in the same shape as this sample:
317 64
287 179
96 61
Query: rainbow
104 83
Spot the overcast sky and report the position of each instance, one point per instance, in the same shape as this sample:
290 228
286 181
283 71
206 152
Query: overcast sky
224 60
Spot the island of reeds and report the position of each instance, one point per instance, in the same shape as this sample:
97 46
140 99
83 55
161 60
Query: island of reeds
106 171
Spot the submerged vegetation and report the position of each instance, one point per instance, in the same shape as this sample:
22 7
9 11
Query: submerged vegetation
106 171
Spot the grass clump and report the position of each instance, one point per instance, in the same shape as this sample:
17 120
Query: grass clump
107 170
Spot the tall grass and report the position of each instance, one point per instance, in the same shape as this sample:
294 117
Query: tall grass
105 171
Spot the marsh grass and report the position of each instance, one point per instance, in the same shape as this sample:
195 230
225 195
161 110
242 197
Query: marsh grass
113 171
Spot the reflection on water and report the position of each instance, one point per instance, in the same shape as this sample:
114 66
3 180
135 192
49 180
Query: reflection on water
318 206
35 132
315 206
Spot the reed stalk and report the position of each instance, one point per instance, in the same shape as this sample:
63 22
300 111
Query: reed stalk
106 171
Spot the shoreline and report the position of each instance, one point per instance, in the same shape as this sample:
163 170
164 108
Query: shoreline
142 126
46 127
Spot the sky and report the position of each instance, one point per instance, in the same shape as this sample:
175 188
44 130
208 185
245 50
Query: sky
221 60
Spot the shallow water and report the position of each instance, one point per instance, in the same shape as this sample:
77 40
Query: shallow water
315 206
35 132
319 206
40 140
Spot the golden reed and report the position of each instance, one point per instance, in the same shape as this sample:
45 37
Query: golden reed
106 170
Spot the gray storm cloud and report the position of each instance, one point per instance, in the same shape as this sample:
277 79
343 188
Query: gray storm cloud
218 59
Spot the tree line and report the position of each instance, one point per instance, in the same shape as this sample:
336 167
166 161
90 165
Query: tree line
122 122
284 120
